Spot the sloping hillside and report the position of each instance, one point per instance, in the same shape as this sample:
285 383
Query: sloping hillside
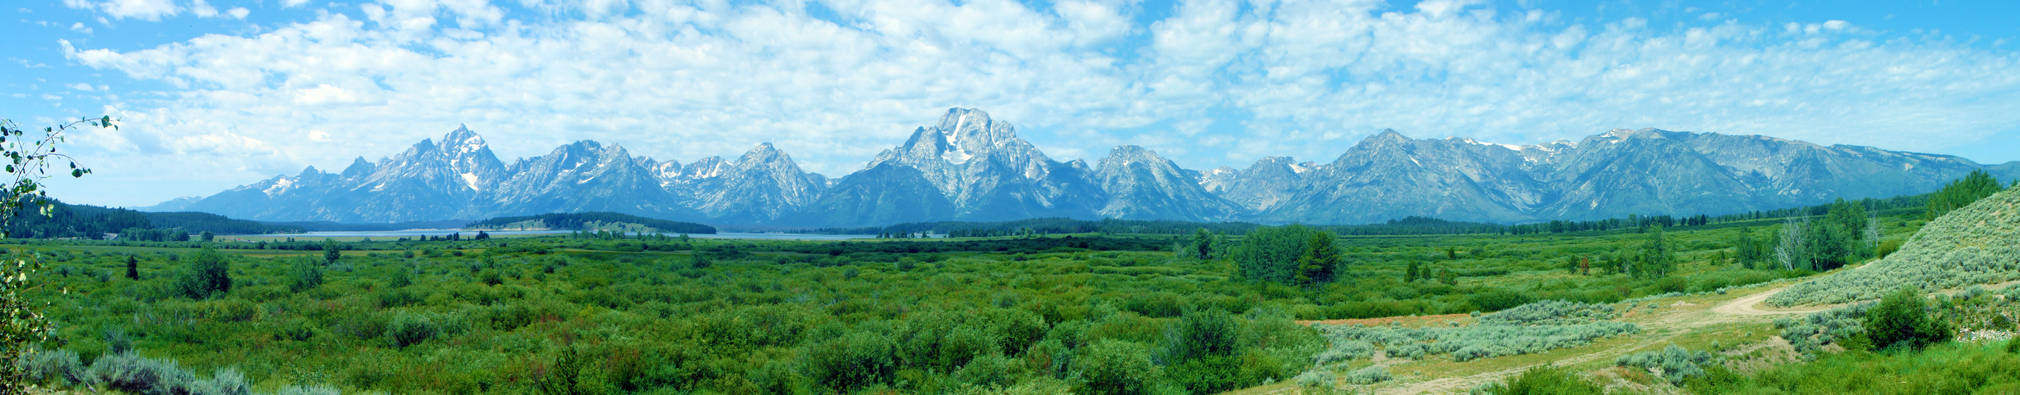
1977 244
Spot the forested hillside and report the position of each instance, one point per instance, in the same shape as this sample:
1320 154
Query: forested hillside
93 222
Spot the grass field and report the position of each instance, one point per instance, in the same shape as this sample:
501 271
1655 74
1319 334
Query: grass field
1082 313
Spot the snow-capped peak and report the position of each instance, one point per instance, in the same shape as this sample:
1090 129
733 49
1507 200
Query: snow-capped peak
281 185
462 142
1468 140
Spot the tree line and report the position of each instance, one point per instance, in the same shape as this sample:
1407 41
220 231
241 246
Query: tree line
93 222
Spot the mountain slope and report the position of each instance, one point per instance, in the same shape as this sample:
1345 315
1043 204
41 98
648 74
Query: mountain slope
1390 174
1260 187
762 185
1142 185
978 166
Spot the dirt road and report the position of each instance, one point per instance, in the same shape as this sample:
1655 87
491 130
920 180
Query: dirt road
1662 328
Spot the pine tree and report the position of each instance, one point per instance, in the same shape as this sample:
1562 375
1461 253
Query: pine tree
1657 258
1202 244
331 251
1962 192
1319 261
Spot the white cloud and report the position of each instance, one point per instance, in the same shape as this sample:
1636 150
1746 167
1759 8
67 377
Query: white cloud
238 12
293 3
80 27
1304 78
152 10
202 9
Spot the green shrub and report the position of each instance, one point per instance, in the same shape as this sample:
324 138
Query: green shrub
1498 299
208 275
399 278
1543 380
303 276
1344 350
1049 358
310 390
568 374
60 367
1551 312
1945 368
859 359
1524 330
408 329
296 330
398 298
133 373
989 371
1902 320
1115 367
780 377
1206 375
1316 381
1810 333
1673 363
227 381
1158 305
1200 334
1368 375
1671 285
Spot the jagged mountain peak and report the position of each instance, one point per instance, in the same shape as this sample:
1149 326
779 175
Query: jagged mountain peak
358 168
462 141
1388 135
962 136
763 153
1131 153
1647 133
973 127
968 166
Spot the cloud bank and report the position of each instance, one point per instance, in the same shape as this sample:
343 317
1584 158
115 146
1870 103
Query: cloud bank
1208 82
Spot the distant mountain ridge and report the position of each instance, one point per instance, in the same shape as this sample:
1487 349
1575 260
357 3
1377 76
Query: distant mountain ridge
969 167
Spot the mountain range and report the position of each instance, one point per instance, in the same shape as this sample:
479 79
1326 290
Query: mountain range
970 167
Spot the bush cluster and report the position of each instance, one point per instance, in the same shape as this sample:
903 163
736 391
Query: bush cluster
1551 312
1520 332
131 373
1903 320
1810 333
1672 363
1544 380
1368 375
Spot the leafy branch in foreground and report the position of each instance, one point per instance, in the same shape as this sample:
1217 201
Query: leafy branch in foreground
28 158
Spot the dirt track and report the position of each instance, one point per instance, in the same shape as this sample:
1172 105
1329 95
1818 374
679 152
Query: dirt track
1668 325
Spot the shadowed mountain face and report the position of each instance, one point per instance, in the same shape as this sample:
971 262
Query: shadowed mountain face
968 166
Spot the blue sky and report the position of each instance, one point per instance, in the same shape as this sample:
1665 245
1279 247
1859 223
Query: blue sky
218 93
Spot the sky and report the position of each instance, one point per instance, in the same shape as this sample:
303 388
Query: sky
211 94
